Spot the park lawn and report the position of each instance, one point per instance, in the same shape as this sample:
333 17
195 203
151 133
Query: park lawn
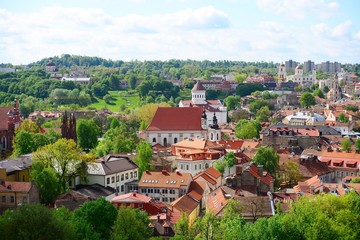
120 98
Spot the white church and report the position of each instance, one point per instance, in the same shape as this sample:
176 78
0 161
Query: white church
211 107
299 77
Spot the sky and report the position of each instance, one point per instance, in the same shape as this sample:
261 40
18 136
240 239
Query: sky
239 30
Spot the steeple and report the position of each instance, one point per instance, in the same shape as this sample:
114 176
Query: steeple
198 95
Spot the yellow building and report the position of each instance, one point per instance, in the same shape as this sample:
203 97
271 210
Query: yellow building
16 169
13 194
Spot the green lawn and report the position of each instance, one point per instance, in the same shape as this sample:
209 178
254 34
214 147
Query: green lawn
121 101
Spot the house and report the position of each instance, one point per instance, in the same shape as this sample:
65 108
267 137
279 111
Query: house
71 200
195 155
78 80
13 194
252 181
198 191
171 125
16 169
310 186
112 171
300 78
162 217
216 201
10 119
255 207
188 205
164 186
211 176
304 118
211 107
343 163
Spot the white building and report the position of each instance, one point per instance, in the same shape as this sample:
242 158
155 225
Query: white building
112 171
211 107
304 118
79 80
300 78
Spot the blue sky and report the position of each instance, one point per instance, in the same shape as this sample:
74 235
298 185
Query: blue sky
246 30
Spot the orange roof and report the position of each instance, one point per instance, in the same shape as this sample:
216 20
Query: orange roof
15 186
216 201
196 190
213 172
198 87
343 155
131 196
185 204
206 177
173 118
164 179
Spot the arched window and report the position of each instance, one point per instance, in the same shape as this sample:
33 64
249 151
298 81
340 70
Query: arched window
211 136
154 139
217 136
165 142
206 165
175 140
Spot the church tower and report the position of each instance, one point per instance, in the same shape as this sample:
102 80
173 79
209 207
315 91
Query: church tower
198 94
282 72
214 132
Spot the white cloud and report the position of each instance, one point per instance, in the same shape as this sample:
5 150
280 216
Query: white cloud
339 31
299 9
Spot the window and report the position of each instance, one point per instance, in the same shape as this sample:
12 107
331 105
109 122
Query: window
122 177
187 167
117 178
166 229
157 190
200 166
12 199
140 205
135 174
112 179
165 191
182 166
131 175
126 176
117 189
108 180
154 140
3 199
143 190
175 140
24 200
172 191
165 199
122 188
206 165
172 199
195 167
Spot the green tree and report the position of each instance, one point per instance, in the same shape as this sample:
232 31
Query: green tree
263 114
33 222
346 145
256 105
268 158
132 224
352 107
65 158
24 143
357 144
319 93
220 166
230 160
342 118
247 129
307 99
208 227
99 214
182 228
144 154
29 126
232 102
87 132
47 181
290 172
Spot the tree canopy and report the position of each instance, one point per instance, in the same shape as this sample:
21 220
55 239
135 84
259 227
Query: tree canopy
268 158
307 99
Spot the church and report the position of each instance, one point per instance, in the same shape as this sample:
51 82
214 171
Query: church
174 124
10 119
211 107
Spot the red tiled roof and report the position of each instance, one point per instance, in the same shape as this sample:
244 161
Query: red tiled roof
15 186
133 196
173 118
216 201
198 87
164 179
196 190
213 172
4 118
206 177
185 204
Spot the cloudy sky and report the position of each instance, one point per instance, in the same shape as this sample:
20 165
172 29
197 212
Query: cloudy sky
248 30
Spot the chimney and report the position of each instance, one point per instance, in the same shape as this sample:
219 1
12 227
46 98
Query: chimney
147 171
178 172
158 217
134 193
164 172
